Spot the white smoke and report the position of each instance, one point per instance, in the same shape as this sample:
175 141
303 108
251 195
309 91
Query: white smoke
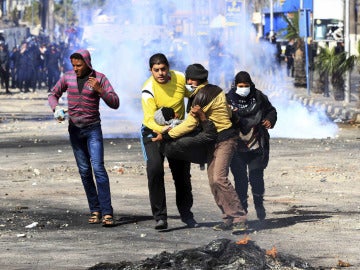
297 121
121 39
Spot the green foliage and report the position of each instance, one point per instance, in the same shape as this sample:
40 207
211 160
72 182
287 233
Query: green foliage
292 29
357 58
330 62
31 13
64 13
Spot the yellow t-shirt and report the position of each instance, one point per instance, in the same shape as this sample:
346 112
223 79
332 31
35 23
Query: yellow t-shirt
155 95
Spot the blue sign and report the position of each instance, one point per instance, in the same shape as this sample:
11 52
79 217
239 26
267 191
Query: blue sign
304 23
233 11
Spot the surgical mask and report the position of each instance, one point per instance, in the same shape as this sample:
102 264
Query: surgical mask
190 87
242 91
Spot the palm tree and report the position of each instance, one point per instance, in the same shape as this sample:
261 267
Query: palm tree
357 59
333 63
292 32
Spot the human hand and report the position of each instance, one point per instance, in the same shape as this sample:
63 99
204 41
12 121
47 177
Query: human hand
266 123
94 84
59 113
233 108
158 137
165 129
197 112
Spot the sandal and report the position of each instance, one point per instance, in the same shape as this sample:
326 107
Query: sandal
94 218
108 221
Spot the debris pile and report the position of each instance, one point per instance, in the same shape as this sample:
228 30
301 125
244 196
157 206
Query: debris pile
218 254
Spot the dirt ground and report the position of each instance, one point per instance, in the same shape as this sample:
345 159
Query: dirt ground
312 198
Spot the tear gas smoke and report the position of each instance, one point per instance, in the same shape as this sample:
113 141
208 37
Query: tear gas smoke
121 39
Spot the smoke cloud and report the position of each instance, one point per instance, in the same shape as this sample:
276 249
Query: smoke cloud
121 39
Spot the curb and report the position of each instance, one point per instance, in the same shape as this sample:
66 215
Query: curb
334 112
337 113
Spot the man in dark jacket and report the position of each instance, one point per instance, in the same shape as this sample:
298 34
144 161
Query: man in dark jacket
253 115
195 146
52 63
289 57
4 67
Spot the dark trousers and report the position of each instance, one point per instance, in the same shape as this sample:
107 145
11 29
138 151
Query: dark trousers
155 173
246 168
290 66
5 76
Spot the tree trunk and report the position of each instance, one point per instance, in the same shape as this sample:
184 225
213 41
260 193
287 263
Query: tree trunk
338 84
299 69
321 83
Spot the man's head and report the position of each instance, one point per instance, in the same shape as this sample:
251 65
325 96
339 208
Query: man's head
159 67
196 74
81 62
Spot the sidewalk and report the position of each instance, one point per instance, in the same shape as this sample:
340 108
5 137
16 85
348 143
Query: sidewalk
338 111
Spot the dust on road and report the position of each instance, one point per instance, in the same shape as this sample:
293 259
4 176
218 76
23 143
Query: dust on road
312 199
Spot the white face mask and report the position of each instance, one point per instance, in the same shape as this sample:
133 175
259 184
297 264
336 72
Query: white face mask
190 87
242 91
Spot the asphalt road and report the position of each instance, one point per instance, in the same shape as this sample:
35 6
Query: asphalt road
312 199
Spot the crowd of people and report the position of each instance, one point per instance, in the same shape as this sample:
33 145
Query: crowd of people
34 64
227 132
240 121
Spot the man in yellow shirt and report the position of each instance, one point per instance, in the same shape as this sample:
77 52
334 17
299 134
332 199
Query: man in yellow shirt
164 88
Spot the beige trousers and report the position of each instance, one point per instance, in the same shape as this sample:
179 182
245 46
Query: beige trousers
224 192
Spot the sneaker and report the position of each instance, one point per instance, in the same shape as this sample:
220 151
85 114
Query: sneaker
260 212
161 225
223 227
191 223
239 227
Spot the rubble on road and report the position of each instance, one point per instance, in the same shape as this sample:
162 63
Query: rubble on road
218 254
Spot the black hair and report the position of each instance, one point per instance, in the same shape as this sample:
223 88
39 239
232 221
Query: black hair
168 113
196 72
157 59
76 56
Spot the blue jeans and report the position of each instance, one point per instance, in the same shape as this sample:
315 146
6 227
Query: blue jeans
88 148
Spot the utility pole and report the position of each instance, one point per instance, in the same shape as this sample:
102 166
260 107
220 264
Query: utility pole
347 50
51 25
44 14
304 33
271 19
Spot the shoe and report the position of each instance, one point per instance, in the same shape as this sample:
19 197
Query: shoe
260 212
223 227
191 223
108 221
239 227
94 218
161 225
